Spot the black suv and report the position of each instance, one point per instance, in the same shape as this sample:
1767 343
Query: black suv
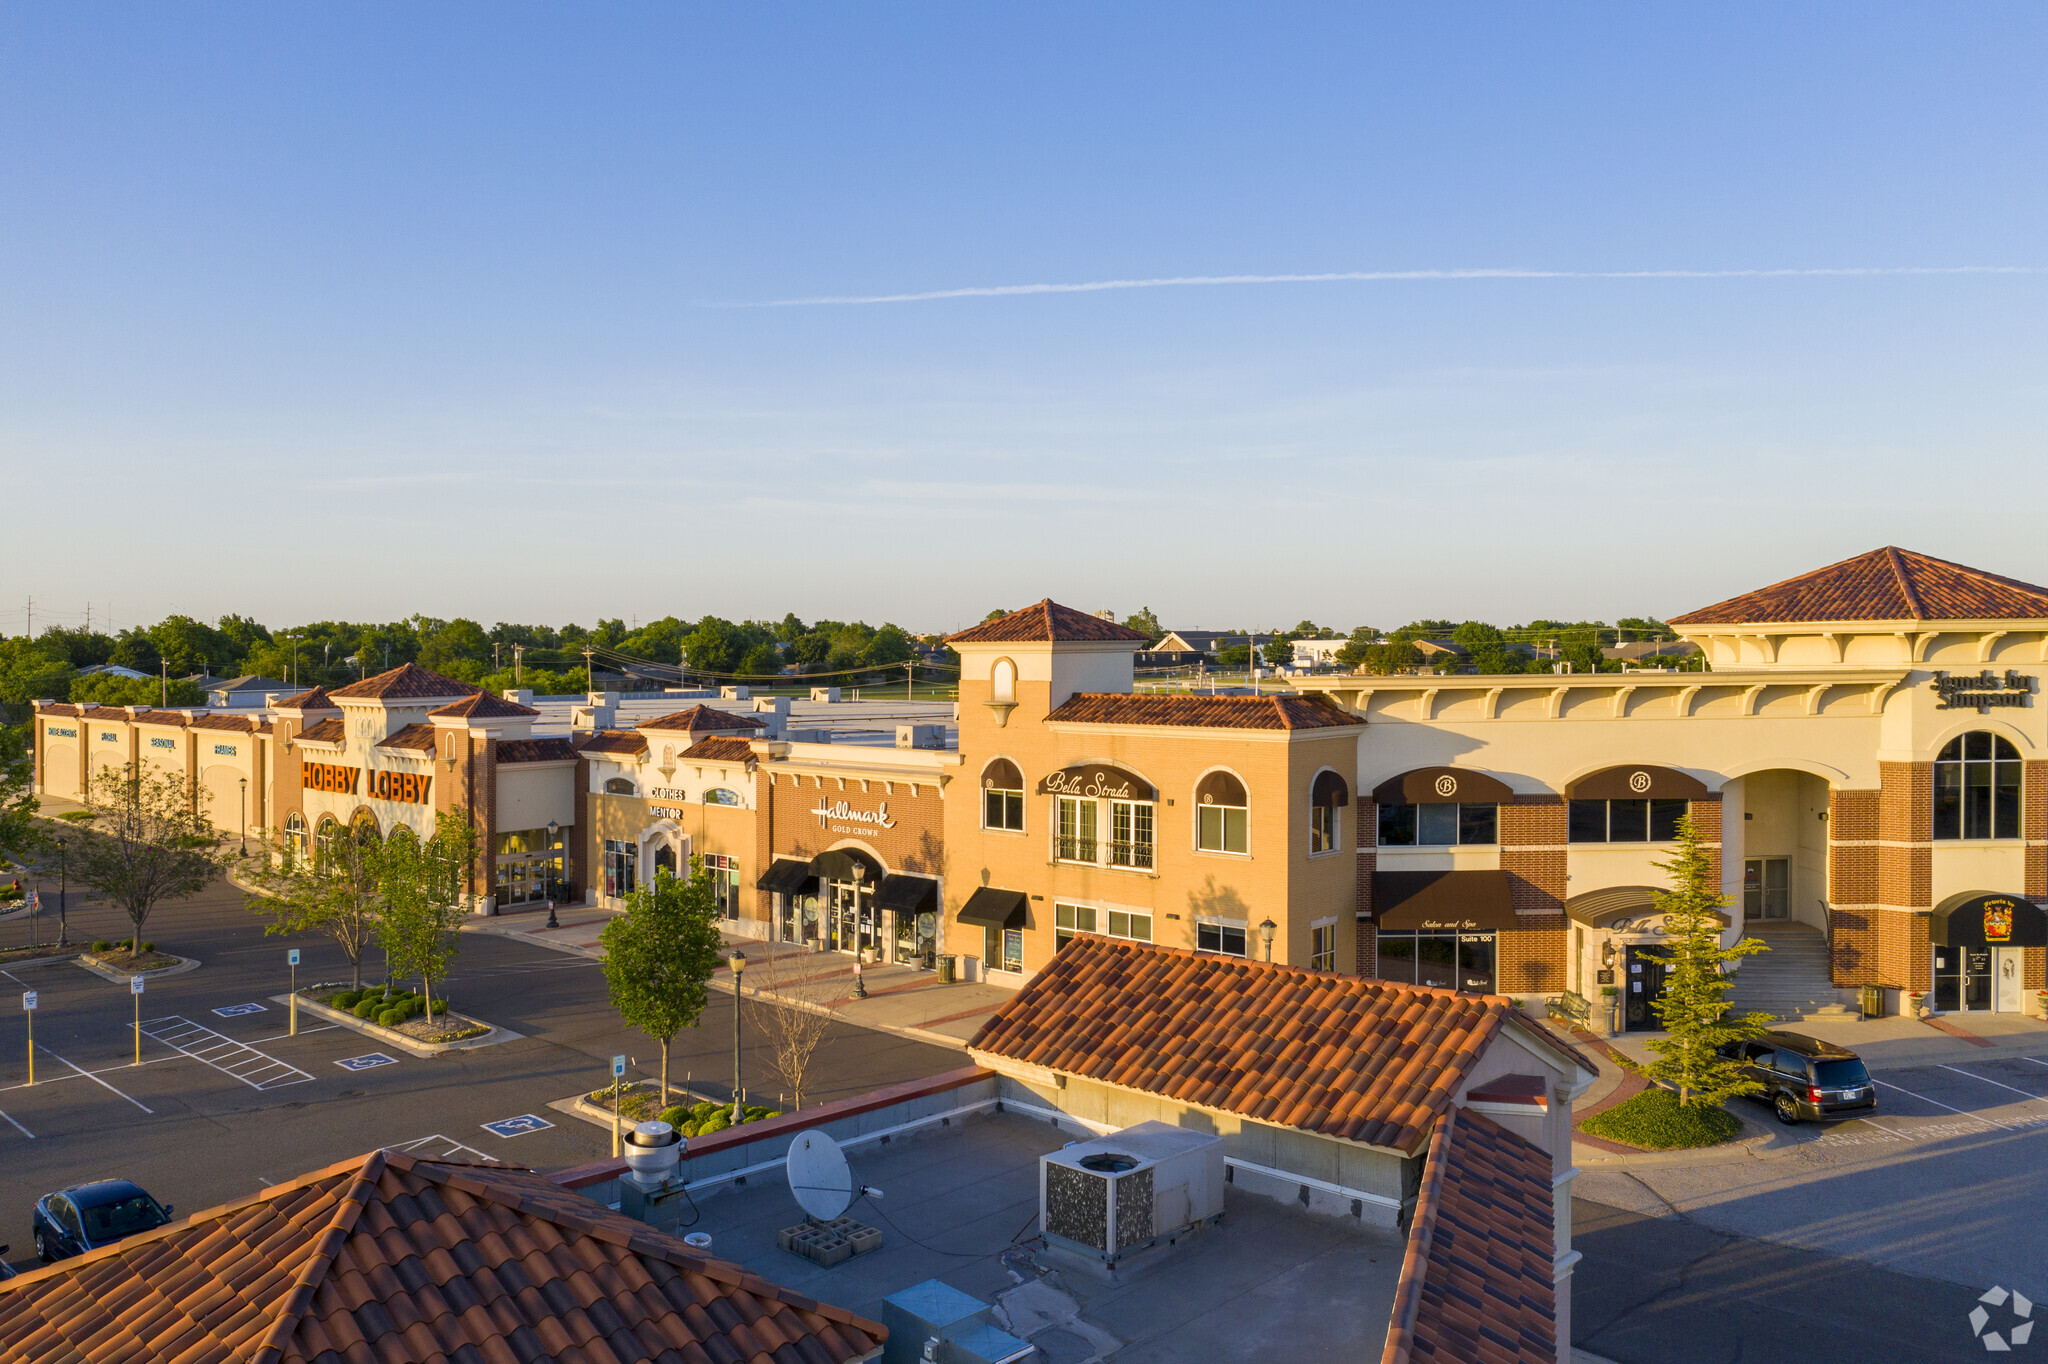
1804 1077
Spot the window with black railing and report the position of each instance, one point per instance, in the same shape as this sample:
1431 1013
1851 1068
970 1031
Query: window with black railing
1131 833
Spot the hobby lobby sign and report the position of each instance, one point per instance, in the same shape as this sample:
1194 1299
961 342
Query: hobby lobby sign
409 788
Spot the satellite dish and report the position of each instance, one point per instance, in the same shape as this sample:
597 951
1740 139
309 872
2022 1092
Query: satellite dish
819 1176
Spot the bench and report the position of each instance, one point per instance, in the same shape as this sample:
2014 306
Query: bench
1570 1008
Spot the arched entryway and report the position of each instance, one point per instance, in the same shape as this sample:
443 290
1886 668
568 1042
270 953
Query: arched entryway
1978 941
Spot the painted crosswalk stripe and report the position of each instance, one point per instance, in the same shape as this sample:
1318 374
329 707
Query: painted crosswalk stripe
256 1069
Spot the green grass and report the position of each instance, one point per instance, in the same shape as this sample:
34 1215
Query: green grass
1655 1121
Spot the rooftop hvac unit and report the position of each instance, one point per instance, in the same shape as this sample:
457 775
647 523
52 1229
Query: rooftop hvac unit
920 736
1119 1194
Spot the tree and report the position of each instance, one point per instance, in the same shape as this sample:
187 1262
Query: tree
1234 656
425 888
1353 653
1279 651
763 660
148 841
111 689
332 890
1694 1009
659 956
17 805
1144 621
794 1024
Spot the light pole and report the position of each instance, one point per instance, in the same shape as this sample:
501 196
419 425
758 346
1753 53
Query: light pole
63 885
860 923
554 833
738 962
1267 928
244 783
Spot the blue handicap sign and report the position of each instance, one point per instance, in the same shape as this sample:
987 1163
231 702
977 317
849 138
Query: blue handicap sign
513 1127
237 1010
369 1062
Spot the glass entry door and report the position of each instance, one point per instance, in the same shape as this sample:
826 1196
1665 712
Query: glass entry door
1962 978
852 919
1767 888
1642 985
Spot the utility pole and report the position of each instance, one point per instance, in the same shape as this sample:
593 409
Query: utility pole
589 675
494 656
166 701
31 627
518 650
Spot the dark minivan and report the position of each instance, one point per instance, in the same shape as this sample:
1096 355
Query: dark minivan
1806 1078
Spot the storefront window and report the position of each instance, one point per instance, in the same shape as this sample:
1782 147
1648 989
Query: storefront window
1977 788
621 867
725 884
1221 935
528 868
1002 948
1447 961
1433 826
1624 821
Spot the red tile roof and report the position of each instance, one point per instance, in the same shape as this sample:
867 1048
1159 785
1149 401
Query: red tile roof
718 751
246 724
485 706
325 732
389 1258
612 741
1885 584
1346 1056
315 698
1204 712
703 718
1048 622
419 738
535 750
149 715
1477 1280
406 682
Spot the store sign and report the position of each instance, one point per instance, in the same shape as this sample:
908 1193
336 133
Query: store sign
107 736
329 777
1983 691
163 743
1998 921
1448 925
840 816
667 793
665 811
57 733
408 787
224 750
1105 783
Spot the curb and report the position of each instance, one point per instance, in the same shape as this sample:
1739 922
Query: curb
1757 1143
68 954
397 1039
122 977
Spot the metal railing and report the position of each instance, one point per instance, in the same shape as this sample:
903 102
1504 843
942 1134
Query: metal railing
1123 854
1074 849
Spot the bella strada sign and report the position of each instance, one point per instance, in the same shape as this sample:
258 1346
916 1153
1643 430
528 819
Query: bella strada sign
1983 691
409 788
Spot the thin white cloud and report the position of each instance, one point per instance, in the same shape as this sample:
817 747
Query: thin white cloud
1373 277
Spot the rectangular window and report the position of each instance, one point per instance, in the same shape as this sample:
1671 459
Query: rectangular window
1587 822
2006 791
1664 817
1625 821
1436 960
1397 826
1439 826
1948 800
1436 826
1478 823
725 884
1013 949
621 863
1322 948
1077 830
1069 920
1628 821
1322 828
1130 833
1397 957
1222 828
1226 938
1002 810
1127 925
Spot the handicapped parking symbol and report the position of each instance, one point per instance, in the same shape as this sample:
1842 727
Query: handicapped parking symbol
513 1127
369 1062
237 1010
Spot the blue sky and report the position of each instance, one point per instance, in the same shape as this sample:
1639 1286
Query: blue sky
362 310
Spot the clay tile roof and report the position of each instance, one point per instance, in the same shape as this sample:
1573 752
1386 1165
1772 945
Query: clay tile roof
534 750
406 682
418 738
718 751
386 1258
613 741
315 698
1206 712
1048 622
59 708
325 732
1885 584
246 724
149 715
702 718
1477 1279
485 706
1367 1060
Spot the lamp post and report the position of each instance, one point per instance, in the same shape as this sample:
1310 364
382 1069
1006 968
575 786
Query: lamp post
244 783
63 885
1267 928
554 832
860 985
738 962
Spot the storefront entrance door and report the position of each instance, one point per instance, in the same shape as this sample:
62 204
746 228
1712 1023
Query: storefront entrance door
853 917
1644 982
2007 979
1962 978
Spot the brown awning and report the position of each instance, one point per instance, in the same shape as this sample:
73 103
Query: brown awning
1329 789
1451 901
784 876
838 864
1096 779
992 908
1979 920
1605 907
1636 783
1441 786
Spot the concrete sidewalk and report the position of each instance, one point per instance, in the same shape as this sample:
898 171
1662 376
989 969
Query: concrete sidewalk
905 1000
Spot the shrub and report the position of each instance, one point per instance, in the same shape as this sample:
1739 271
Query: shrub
391 1018
345 1000
148 946
755 1113
675 1117
440 1007
717 1122
102 945
366 1006
1656 1121
11 892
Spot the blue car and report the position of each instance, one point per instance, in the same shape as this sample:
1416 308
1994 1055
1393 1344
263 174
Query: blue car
87 1216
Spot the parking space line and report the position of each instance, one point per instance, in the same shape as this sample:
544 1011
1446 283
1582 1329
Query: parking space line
2001 1084
101 1083
174 1032
1979 1117
17 1126
453 1146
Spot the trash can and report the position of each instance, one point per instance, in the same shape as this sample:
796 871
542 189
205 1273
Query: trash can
1873 1001
945 970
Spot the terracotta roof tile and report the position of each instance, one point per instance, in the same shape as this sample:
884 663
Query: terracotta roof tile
1885 584
325 732
1205 712
534 750
1367 1060
149 715
612 741
1047 622
1477 1280
417 738
315 698
390 1258
246 724
406 682
701 718
485 706
718 751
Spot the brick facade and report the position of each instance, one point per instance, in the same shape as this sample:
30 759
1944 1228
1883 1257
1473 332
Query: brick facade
1532 853
1368 954
1852 885
1905 872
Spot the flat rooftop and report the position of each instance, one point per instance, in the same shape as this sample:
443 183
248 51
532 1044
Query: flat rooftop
959 1204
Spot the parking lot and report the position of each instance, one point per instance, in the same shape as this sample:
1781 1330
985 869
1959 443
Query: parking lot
225 1101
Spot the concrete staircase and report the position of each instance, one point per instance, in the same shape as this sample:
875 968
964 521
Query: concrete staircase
1791 980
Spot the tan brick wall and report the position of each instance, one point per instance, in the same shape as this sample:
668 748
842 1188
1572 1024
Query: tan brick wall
915 843
1853 884
1905 816
2034 825
1902 951
1368 836
1533 957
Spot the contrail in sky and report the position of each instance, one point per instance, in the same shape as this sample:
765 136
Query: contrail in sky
1374 276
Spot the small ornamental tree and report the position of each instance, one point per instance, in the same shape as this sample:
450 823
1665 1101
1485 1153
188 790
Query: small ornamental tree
333 891
425 888
17 805
149 841
1693 1009
659 956
795 1024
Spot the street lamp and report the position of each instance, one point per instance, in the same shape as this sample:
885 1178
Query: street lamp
1267 928
860 922
63 885
554 832
738 962
244 782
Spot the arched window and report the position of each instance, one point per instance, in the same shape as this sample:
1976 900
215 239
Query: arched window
1003 681
1222 812
325 835
295 836
618 786
719 795
365 828
1327 795
1977 788
1002 796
